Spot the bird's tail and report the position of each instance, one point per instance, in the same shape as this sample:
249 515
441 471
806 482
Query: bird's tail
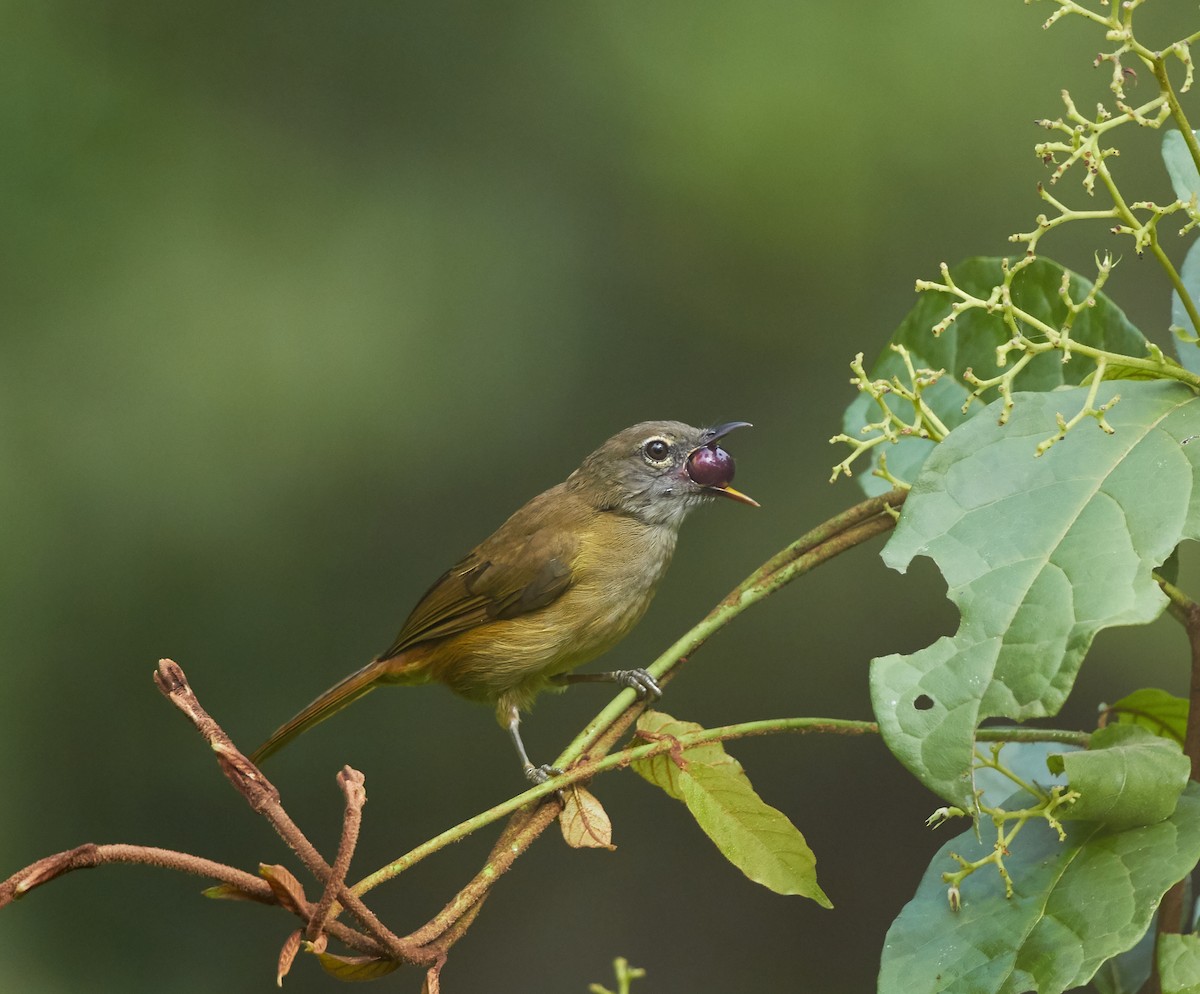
357 684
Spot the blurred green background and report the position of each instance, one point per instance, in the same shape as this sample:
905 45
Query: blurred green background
300 301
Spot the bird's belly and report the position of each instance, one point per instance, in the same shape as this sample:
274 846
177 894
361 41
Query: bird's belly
516 658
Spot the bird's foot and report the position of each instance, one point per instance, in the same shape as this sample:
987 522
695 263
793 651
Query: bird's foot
540 774
641 682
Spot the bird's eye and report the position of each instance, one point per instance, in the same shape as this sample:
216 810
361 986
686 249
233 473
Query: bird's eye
657 449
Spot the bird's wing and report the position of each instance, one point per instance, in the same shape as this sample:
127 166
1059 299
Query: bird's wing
492 584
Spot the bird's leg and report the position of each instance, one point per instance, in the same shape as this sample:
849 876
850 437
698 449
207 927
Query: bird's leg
638 680
535 774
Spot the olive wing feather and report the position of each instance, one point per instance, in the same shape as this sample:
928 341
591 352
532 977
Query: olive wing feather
491 584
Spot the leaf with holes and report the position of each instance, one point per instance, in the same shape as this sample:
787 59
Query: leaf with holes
1039 554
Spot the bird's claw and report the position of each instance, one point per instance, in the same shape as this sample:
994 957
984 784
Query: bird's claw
639 681
540 774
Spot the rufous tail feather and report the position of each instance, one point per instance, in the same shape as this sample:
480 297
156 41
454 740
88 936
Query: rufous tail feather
338 696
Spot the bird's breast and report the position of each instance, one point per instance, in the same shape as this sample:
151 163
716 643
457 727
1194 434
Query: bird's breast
618 564
616 572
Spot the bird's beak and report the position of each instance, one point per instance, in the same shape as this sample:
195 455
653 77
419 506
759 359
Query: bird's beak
714 434
720 431
737 495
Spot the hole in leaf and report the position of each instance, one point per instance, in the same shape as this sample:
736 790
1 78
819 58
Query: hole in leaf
923 702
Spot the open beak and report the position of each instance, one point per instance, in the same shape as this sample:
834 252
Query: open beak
710 437
720 431
737 495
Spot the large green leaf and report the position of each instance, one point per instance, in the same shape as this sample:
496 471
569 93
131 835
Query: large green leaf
1153 709
1039 554
1128 777
755 837
1179 964
970 343
1127 972
1075 904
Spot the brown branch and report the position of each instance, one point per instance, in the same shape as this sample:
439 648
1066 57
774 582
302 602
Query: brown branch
1191 738
90 854
237 884
520 832
428 946
263 798
1171 917
351 782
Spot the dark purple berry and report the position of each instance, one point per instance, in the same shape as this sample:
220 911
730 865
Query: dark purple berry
711 466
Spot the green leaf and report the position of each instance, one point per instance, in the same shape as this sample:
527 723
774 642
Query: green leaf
356 968
664 770
1186 181
1153 709
1127 972
1189 274
1128 777
1075 904
231 892
1039 554
755 837
971 342
1180 166
1179 964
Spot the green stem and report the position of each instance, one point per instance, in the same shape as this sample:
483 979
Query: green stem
1063 736
1159 64
839 533
586 771
725 733
1179 605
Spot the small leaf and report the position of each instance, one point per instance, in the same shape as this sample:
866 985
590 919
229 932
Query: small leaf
285 885
584 822
1154 710
1075 904
355 968
755 837
231 892
287 956
1128 777
1179 963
